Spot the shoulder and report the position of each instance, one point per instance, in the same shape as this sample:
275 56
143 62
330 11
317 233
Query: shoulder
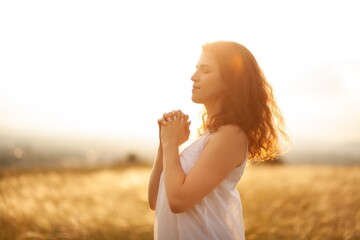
228 142
231 130
229 133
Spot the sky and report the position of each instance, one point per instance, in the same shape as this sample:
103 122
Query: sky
109 69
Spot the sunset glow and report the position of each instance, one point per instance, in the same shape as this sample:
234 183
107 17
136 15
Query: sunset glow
110 69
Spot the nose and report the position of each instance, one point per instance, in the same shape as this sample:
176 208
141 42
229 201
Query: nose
194 77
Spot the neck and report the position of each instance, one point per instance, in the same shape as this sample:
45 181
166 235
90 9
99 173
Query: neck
212 110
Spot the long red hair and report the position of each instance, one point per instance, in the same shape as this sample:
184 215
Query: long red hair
248 102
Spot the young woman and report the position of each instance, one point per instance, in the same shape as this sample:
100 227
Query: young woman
194 193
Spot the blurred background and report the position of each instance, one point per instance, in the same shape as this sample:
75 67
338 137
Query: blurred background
82 84
87 80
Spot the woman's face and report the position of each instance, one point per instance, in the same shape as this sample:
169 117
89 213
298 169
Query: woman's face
208 86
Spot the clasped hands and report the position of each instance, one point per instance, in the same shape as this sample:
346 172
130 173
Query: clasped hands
174 128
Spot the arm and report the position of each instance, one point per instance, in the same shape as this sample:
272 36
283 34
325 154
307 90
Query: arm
157 168
155 178
224 151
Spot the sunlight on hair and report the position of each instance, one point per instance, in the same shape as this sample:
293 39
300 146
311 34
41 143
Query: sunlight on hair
237 63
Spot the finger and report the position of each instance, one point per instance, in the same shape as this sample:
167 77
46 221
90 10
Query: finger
168 117
164 116
162 121
186 118
174 115
177 114
187 128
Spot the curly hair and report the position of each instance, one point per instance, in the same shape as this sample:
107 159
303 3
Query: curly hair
248 102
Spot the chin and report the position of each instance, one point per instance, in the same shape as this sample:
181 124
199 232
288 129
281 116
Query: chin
195 100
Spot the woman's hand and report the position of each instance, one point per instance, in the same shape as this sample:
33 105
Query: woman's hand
174 128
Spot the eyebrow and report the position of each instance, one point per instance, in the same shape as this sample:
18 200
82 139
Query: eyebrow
202 66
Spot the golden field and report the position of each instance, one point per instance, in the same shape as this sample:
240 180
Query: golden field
279 202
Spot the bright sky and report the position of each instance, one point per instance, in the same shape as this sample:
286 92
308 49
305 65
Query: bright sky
111 68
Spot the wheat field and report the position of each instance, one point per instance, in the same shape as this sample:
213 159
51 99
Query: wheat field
279 202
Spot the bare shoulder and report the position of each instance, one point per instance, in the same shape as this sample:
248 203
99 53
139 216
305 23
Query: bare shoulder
228 142
229 133
232 130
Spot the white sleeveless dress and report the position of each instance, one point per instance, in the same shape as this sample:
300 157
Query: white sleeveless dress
217 216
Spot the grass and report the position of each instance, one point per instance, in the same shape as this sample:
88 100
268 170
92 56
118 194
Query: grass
301 202
279 202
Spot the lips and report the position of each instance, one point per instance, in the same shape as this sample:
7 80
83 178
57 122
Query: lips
195 88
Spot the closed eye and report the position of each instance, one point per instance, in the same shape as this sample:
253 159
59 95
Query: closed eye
204 68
